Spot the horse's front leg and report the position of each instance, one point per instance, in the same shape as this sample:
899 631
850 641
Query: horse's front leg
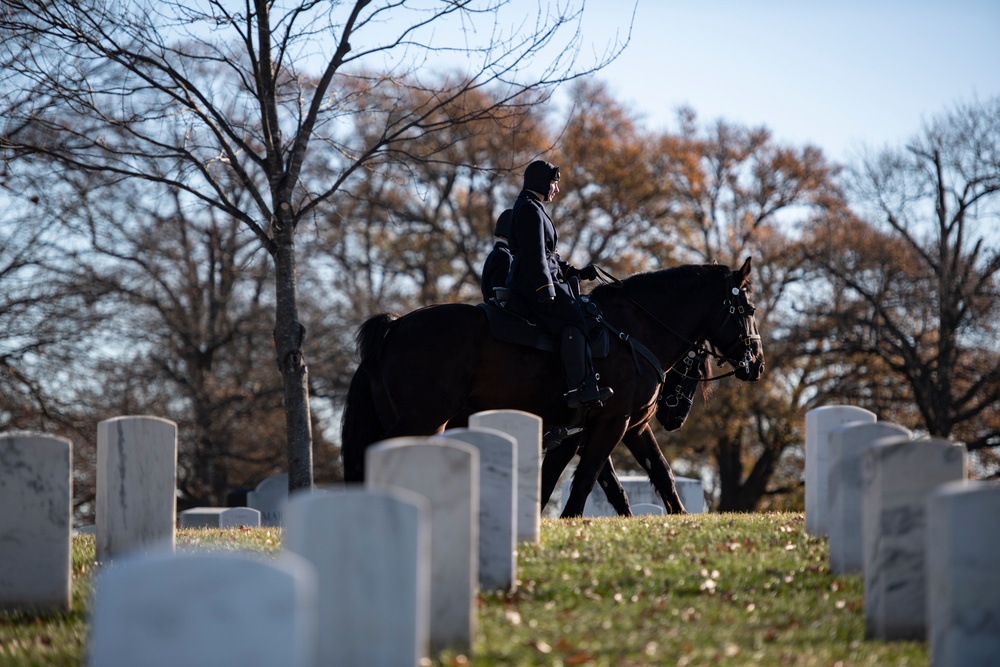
555 461
642 443
599 439
613 489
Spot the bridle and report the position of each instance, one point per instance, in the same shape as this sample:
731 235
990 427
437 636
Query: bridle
737 307
690 363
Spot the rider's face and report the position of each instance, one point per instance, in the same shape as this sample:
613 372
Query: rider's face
553 190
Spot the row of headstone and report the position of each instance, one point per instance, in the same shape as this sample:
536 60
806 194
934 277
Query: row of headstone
642 496
135 504
394 566
901 512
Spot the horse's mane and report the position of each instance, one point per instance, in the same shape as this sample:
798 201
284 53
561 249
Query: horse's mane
681 277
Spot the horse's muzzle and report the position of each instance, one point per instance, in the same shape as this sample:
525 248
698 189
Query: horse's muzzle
750 370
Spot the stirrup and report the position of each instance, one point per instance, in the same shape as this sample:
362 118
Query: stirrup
587 397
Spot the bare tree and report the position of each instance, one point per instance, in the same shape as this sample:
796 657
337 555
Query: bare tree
911 285
47 320
138 94
613 190
738 192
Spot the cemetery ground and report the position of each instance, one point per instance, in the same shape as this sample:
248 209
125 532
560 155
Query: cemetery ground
707 589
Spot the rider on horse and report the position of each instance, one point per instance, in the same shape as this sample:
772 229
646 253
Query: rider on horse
497 264
542 280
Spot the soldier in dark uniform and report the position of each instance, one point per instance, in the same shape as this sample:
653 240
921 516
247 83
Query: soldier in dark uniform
497 264
541 279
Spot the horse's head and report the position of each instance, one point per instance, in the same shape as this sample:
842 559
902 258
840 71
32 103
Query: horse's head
734 332
677 393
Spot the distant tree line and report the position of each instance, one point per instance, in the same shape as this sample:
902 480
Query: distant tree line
139 273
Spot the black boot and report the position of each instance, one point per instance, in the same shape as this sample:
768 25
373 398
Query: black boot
580 378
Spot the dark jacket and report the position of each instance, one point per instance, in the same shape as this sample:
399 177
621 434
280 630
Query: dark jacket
495 268
537 274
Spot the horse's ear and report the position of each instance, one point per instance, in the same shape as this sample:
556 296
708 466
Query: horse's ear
744 272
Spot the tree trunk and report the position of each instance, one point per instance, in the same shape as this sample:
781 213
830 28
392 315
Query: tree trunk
288 336
729 456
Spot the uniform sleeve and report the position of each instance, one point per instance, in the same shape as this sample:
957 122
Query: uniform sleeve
529 226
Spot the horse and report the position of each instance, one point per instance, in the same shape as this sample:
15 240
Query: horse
440 364
673 404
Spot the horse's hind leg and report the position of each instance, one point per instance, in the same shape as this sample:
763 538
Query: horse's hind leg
613 489
646 451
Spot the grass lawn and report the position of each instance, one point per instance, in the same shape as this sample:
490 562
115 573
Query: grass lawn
708 589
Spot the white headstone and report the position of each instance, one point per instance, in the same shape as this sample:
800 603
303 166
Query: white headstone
204 610
136 485
200 517
819 423
35 509
640 491
497 504
237 517
371 550
692 494
963 582
844 490
526 429
897 475
218 517
446 472
269 499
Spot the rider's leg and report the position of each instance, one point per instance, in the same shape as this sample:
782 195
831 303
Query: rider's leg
581 381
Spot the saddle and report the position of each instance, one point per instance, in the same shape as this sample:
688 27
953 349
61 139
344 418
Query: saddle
512 322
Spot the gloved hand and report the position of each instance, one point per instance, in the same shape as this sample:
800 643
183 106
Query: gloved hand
588 272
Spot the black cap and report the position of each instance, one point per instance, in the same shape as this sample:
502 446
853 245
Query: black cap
539 174
503 224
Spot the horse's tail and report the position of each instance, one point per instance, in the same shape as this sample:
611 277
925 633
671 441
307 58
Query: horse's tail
360 425
371 336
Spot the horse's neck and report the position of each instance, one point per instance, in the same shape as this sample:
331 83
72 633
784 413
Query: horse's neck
671 340
669 329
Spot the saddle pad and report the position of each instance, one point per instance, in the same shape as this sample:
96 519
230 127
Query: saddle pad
512 327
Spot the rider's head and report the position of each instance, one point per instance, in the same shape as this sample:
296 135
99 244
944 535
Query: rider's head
542 177
503 225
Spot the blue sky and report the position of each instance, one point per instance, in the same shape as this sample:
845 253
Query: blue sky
840 75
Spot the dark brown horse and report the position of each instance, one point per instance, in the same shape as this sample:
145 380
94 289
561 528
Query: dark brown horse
441 364
673 405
